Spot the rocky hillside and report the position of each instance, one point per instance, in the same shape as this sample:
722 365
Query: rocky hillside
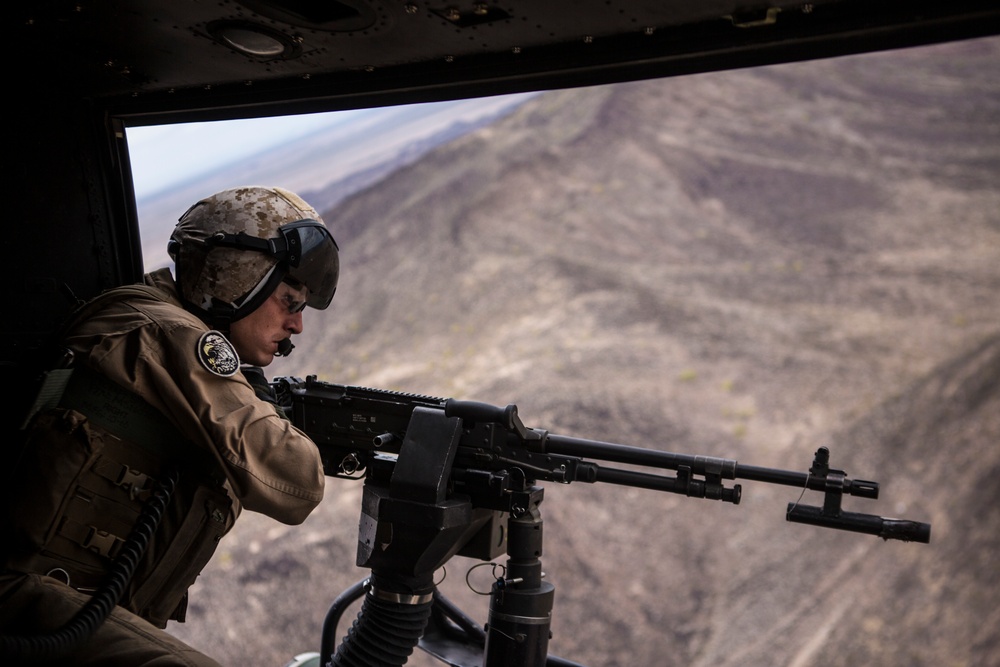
747 264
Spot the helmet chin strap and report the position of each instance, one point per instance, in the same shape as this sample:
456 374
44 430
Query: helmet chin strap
285 347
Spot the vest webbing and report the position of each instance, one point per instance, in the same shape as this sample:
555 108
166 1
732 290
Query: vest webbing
122 412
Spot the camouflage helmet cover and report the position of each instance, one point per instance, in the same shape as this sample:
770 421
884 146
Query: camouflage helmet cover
225 280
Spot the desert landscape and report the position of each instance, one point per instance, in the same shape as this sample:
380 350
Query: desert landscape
748 264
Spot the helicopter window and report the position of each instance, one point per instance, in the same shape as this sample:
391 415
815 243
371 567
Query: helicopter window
744 262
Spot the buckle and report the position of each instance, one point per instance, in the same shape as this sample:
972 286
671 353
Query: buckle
102 542
139 484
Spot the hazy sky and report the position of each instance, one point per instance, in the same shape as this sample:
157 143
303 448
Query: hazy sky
164 154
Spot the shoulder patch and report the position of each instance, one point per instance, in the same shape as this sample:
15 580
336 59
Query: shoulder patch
217 354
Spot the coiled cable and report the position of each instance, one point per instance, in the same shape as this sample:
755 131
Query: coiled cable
76 631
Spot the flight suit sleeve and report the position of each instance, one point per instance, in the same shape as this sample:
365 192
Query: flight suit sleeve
272 467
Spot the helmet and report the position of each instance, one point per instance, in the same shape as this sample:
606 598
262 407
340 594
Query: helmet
232 249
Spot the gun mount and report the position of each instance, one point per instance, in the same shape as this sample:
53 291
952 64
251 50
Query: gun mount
446 477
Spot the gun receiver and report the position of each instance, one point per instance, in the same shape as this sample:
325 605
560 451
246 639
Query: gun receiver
494 458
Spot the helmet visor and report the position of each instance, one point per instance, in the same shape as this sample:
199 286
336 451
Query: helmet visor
313 260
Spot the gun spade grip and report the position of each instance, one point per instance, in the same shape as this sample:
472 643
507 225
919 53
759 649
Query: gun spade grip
481 412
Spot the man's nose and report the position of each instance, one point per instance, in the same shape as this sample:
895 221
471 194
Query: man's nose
294 323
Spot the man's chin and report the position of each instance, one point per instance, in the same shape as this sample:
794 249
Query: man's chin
261 360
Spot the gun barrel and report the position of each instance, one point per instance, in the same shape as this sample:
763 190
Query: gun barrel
690 488
607 451
803 480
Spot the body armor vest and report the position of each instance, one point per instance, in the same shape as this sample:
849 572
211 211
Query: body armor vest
79 484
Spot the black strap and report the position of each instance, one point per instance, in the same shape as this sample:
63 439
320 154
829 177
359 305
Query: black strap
121 411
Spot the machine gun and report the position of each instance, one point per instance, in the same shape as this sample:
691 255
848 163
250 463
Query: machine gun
446 477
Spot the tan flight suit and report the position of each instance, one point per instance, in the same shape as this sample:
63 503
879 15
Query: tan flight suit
240 453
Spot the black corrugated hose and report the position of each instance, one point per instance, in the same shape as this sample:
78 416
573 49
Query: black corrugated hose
384 633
